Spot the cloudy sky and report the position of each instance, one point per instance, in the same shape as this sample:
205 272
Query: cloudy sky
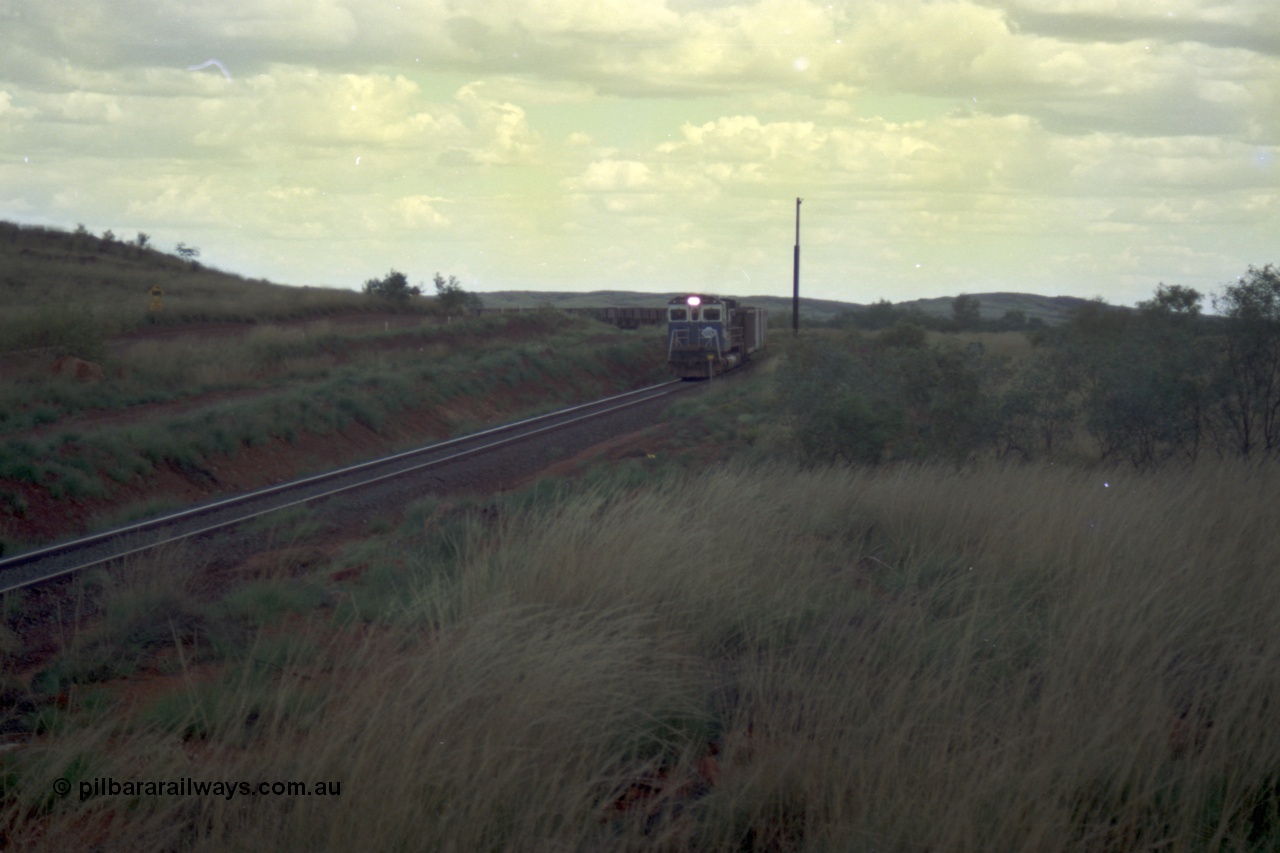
1084 147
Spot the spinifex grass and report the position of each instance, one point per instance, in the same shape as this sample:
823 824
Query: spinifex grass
275 384
919 659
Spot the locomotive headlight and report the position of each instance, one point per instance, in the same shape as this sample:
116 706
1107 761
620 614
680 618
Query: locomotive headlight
693 301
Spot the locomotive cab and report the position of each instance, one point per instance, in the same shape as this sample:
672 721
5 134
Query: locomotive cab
707 335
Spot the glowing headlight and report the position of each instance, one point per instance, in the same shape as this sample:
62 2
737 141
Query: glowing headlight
693 301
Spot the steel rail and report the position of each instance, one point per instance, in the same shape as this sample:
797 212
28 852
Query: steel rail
641 395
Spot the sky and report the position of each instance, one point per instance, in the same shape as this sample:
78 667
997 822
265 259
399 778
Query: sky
1061 147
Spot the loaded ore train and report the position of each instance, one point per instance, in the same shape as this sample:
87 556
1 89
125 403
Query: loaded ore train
708 335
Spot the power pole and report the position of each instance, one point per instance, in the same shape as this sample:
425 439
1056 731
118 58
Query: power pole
795 278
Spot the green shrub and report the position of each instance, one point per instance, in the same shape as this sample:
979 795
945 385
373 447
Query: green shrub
68 328
264 602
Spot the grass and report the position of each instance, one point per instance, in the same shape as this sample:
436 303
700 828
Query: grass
1030 658
278 384
111 282
702 648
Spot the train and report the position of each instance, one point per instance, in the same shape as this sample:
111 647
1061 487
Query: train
709 335
706 335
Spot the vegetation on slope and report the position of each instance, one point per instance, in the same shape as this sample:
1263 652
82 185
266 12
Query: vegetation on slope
1149 387
179 404
70 292
1024 658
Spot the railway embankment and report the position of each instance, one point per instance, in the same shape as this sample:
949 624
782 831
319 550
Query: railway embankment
182 418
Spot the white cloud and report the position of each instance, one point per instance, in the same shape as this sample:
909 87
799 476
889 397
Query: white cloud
614 176
502 127
91 107
418 212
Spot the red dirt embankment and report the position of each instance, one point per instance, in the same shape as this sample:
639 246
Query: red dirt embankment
46 518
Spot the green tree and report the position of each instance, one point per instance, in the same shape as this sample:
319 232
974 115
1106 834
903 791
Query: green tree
966 311
878 315
1173 299
451 298
836 408
1148 399
948 397
1014 320
143 239
393 286
1142 380
1035 409
1250 378
846 402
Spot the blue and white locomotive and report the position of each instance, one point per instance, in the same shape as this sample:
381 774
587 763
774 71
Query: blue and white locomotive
707 335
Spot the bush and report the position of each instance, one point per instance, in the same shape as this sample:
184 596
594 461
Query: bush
393 286
852 403
452 299
1250 375
67 329
904 334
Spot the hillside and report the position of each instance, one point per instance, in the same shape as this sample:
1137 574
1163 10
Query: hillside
1050 309
46 271
108 409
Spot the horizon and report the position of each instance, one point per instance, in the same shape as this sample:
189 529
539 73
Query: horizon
1051 147
1206 306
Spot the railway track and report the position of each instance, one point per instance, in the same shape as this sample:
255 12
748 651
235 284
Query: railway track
66 558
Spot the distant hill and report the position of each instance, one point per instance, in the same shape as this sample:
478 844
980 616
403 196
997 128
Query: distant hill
1050 309
992 306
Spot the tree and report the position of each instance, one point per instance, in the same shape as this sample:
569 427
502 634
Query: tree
1143 380
452 298
1014 320
1250 379
1035 409
143 239
1173 299
966 311
187 253
109 236
1147 400
836 408
393 286
904 334
878 315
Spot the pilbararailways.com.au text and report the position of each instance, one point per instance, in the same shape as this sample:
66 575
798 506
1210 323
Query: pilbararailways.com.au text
188 787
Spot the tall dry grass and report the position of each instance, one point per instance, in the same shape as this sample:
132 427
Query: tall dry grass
1026 658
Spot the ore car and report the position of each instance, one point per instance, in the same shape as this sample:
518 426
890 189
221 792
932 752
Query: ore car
707 335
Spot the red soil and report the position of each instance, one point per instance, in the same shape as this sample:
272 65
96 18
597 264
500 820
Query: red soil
49 519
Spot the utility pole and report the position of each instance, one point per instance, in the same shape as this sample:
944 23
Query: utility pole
795 278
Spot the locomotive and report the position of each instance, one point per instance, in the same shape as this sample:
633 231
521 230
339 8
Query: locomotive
707 335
